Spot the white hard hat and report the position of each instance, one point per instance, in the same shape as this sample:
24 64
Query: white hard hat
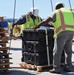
35 8
34 11
59 5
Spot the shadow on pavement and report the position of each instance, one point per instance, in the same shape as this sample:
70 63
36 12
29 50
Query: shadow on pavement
17 72
23 72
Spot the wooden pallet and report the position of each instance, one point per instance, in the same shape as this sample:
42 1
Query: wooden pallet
2 41
33 67
5 68
5 71
4 48
4 59
2 29
3 64
2 34
4 52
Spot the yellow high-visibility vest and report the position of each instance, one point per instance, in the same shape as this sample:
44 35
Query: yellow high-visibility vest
64 21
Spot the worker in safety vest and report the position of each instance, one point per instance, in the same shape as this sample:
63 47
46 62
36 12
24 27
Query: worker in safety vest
29 20
63 21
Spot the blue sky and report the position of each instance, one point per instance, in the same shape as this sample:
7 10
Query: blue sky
23 6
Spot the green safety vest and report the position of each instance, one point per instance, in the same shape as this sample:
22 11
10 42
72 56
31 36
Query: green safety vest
30 23
64 21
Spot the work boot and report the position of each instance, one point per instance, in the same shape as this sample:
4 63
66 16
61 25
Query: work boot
67 68
55 71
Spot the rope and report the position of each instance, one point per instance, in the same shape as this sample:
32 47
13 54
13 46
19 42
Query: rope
35 41
70 5
13 22
51 4
33 5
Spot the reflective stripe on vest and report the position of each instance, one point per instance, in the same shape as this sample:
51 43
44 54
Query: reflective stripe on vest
63 26
28 18
38 19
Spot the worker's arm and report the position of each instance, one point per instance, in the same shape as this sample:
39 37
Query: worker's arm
52 17
20 21
45 22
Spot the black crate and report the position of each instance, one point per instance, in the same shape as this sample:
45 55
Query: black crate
31 46
37 58
30 35
37 40
40 59
37 35
39 46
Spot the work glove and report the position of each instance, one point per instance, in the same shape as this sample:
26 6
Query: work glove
18 28
35 27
